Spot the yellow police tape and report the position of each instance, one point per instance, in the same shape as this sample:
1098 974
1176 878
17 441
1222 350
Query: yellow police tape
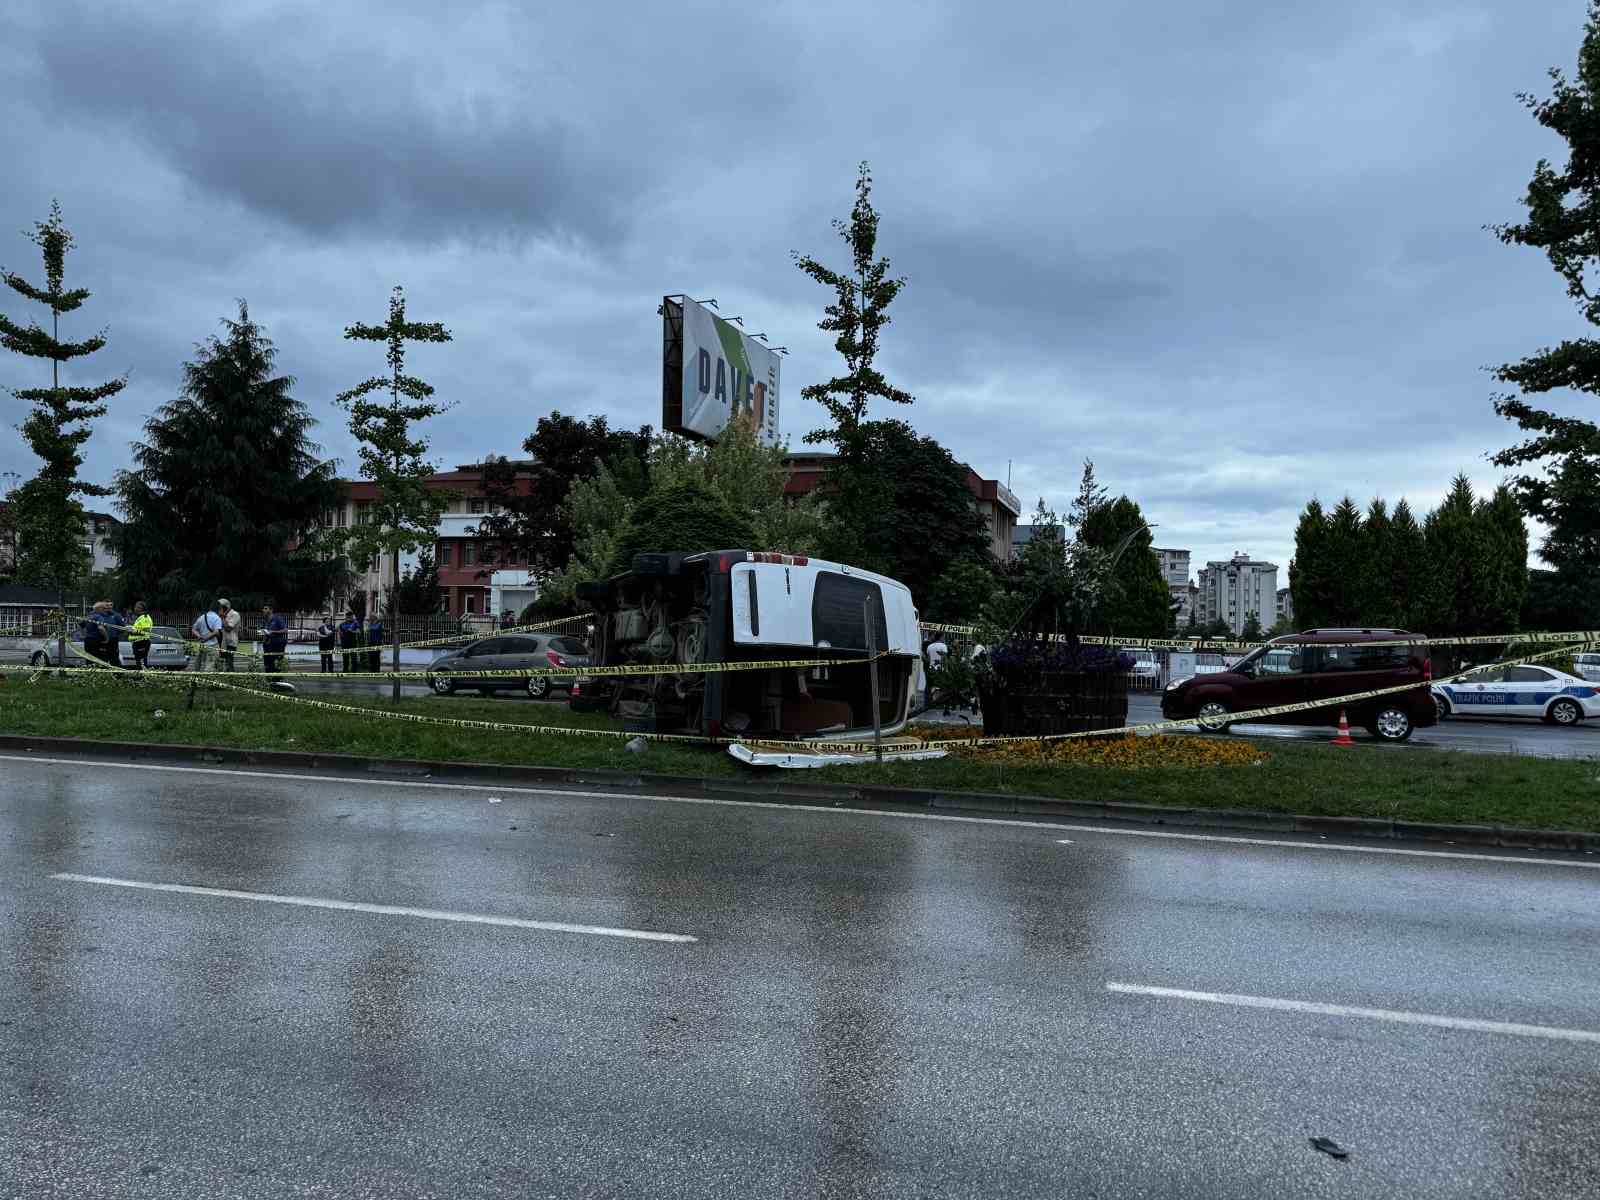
1236 718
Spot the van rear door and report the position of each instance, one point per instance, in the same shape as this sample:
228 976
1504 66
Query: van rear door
771 604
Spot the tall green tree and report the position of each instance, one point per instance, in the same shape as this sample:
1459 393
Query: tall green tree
1379 604
49 515
1408 568
527 518
686 514
406 515
860 310
1137 603
1560 457
419 588
1505 568
1456 554
1309 582
1345 563
227 490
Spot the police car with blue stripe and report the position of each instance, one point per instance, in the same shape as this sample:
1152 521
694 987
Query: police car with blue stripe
1526 690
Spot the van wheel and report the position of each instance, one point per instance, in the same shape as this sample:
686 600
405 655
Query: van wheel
538 687
1441 706
38 659
1212 716
1566 712
443 686
1391 724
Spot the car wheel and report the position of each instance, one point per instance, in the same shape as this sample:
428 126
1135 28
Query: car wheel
38 659
538 687
1212 716
1441 706
443 686
1566 712
1391 724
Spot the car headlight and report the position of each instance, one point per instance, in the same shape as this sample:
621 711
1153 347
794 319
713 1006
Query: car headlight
1177 683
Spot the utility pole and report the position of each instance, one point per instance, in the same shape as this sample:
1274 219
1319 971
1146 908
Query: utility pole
869 615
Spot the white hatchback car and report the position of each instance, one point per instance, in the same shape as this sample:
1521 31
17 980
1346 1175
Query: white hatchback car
1527 690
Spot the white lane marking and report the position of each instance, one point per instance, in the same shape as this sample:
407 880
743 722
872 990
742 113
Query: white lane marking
1244 841
1371 1014
843 809
391 910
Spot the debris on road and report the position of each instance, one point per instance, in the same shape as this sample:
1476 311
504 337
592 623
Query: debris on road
636 745
1329 1147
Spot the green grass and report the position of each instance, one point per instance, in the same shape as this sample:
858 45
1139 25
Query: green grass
1363 781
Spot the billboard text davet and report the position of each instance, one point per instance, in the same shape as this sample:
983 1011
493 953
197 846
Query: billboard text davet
715 372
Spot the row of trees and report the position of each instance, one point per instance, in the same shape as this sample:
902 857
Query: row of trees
1461 570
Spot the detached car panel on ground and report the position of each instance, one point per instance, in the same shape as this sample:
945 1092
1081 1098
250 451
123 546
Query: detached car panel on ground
1318 664
1526 690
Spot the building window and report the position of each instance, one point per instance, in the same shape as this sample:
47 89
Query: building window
488 556
469 555
363 513
443 559
339 517
475 506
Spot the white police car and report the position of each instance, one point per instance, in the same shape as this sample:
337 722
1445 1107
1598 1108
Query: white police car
1527 690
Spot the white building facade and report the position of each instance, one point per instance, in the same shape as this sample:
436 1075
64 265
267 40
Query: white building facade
1175 573
1234 590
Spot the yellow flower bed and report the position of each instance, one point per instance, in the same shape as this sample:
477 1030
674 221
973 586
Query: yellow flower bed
1127 751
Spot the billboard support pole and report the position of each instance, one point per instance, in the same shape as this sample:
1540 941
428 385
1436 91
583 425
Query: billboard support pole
872 675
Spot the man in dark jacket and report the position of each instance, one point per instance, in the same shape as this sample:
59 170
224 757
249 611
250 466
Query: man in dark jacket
350 638
274 633
374 639
326 632
100 633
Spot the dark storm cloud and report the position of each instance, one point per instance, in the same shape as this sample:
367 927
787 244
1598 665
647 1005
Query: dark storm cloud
1232 253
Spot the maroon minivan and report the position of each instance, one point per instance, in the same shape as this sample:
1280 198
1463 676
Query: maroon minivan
1319 664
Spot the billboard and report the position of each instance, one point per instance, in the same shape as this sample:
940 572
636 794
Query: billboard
712 372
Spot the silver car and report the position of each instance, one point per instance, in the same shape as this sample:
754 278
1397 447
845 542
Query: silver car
164 655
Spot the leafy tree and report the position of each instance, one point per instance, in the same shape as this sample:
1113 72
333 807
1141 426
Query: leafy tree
857 316
962 594
1252 629
227 488
406 514
49 517
418 595
531 522
1137 602
686 515
1309 580
1561 455
910 515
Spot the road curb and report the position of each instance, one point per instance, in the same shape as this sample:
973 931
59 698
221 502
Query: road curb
779 790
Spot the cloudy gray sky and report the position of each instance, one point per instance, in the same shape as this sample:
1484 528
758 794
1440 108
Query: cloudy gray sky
1231 252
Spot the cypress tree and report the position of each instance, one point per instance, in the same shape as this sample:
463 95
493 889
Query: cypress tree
1408 567
1308 578
1456 549
1378 606
1344 562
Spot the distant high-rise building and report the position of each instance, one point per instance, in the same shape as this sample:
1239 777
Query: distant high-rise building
1175 572
1285 608
1234 590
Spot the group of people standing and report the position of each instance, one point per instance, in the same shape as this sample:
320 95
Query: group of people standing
358 641
103 631
217 632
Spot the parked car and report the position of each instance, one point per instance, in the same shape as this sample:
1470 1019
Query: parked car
510 652
164 656
1315 665
1146 665
1526 690
1586 666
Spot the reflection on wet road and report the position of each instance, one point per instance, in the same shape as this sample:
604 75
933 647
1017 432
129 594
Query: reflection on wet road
874 1005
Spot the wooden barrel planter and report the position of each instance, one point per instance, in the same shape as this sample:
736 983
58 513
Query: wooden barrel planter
1039 703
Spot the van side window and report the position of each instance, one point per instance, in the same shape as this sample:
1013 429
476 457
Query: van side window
1363 658
1284 660
837 616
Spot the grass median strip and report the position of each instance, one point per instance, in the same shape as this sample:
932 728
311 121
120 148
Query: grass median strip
1312 779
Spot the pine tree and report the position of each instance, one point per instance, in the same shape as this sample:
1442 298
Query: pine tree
1562 454
1505 567
1344 562
1456 552
49 516
1408 568
857 316
406 514
228 490
1378 605
1309 583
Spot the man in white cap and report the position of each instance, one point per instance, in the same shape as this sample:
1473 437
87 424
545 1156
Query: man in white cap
230 632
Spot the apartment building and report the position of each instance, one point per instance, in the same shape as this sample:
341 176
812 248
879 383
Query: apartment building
1236 589
1175 573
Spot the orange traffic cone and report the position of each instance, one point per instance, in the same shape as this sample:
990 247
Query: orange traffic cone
1344 732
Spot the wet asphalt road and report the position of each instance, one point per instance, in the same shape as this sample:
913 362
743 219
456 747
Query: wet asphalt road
874 1005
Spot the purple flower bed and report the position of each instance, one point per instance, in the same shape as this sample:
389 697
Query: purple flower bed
1027 656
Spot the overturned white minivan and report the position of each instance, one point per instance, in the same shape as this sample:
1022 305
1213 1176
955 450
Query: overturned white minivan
732 606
